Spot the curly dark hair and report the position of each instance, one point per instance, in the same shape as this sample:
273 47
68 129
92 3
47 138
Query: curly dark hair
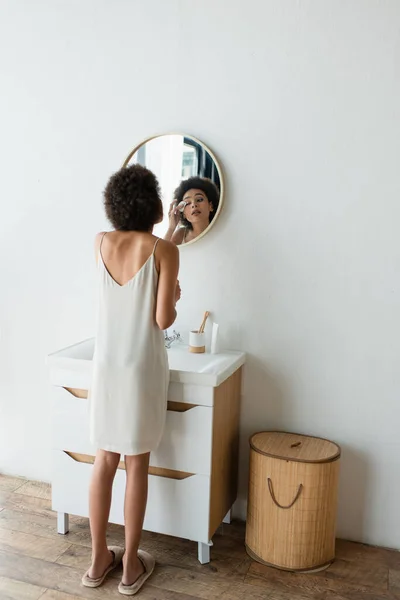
198 183
132 199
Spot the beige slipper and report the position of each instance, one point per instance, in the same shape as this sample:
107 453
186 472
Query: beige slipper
93 583
149 563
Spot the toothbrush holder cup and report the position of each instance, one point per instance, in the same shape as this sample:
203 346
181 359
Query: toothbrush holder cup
197 342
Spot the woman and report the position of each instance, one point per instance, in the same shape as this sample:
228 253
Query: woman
196 202
138 291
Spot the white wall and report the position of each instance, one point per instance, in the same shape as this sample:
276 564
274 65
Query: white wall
300 100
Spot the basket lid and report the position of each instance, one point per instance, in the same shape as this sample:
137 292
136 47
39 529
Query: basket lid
294 447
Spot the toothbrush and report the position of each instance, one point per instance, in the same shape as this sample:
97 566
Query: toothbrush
202 326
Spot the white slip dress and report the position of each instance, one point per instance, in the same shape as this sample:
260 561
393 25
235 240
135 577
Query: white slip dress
128 395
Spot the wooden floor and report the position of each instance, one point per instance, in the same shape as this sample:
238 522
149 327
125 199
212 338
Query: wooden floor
36 562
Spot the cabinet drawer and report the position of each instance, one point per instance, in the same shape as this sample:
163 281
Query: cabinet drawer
202 395
187 440
70 422
178 507
185 445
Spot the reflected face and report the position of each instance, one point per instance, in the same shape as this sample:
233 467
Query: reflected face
197 207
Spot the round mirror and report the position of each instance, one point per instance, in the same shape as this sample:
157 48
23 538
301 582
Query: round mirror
190 181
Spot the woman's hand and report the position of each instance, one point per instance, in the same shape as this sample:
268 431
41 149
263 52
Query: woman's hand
178 292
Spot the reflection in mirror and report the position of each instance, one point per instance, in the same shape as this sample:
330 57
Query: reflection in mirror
190 181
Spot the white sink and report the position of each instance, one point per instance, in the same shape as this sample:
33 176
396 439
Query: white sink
185 367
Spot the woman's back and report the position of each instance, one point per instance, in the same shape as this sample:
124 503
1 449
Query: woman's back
125 252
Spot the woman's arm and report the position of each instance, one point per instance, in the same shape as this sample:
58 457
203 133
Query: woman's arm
168 291
168 236
178 236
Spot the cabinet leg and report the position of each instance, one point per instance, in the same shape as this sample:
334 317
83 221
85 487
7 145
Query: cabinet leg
204 552
228 517
62 523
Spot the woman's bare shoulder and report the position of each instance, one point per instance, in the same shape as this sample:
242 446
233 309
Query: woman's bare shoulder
99 237
167 248
97 242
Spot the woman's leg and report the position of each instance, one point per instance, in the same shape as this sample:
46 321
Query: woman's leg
105 467
137 472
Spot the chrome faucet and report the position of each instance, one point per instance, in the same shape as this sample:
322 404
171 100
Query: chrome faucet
169 340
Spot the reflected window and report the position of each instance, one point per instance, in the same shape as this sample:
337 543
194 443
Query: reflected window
189 162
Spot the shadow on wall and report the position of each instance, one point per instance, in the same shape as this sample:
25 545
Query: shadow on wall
261 411
353 494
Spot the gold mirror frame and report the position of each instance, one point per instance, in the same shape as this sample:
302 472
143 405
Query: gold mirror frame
216 162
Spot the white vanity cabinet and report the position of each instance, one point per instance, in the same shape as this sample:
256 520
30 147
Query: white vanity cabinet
192 475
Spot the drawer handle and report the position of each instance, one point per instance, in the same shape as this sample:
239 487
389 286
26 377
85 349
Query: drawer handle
78 393
156 471
181 407
169 474
271 491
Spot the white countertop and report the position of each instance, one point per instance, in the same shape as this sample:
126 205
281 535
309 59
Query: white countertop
199 369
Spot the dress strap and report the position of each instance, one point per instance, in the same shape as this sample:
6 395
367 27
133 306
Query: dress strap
155 245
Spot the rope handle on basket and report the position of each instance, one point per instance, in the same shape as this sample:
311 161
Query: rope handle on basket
271 491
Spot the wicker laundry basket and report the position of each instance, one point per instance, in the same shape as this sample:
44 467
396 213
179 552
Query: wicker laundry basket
291 516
